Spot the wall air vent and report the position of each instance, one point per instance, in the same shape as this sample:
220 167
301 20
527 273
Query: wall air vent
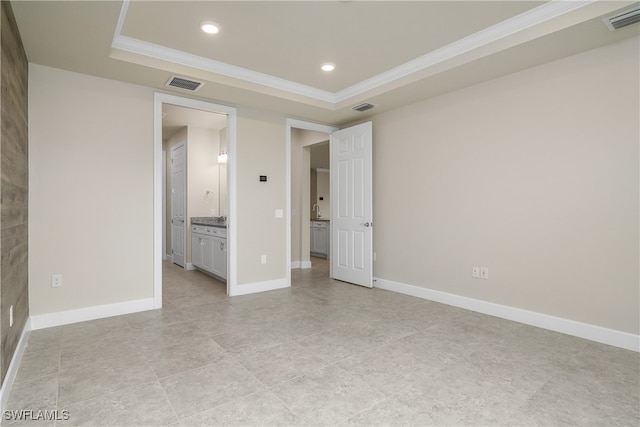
363 107
186 84
620 20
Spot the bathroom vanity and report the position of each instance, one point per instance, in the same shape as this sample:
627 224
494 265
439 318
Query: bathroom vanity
209 246
319 238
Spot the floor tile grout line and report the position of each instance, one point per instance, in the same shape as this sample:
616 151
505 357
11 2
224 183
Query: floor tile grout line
164 392
55 422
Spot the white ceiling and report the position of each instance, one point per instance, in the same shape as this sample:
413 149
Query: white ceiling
268 53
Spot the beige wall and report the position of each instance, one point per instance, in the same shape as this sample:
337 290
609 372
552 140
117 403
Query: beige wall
534 175
92 186
91 190
261 151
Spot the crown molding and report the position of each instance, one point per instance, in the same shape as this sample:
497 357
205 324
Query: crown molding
175 56
536 16
511 26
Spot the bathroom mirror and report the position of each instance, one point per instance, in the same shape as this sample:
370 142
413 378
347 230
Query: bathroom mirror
205 136
222 174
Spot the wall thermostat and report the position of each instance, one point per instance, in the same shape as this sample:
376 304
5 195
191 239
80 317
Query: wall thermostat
263 178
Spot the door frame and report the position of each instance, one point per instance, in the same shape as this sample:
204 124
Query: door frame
297 124
160 98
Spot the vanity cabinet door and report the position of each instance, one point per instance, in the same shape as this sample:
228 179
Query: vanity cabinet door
196 250
320 241
219 250
208 253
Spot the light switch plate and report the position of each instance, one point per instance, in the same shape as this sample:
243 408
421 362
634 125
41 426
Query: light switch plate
279 213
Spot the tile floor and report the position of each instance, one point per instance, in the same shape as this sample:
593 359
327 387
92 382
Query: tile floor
320 353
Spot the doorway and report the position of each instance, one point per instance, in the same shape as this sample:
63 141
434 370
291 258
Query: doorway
161 236
301 137
195 142
350 232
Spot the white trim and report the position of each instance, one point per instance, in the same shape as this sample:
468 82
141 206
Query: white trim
59 318
123 15
268 285
151 50
189 266
298 124
570 327
158 198
300 264
536 16
164 203
533 17
10 377
232 251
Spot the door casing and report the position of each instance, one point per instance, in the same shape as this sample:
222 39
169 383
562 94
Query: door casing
232 120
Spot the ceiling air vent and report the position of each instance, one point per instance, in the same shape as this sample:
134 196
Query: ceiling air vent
186 84
363 107
623 19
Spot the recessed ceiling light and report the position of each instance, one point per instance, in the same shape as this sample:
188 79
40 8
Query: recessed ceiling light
328 66
210 27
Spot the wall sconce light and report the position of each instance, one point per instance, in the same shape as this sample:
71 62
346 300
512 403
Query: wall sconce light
222 157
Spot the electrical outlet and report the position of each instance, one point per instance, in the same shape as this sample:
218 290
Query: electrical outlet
11 316
475 272
263 259
374 256
56 280
484 272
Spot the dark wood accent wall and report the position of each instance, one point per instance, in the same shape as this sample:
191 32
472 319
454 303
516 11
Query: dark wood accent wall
14 186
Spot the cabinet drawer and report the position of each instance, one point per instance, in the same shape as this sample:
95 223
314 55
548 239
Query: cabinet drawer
319 224
200 229
219 232
209 231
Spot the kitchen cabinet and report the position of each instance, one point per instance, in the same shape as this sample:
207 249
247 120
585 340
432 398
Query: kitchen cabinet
209 250
319 239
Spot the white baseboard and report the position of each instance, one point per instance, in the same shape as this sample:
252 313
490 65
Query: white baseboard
5 390
189 266
49 320
300 264
570 327
252 288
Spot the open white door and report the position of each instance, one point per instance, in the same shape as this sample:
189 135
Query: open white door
178 184
351 205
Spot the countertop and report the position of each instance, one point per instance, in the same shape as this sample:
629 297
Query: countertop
212 221
321 219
